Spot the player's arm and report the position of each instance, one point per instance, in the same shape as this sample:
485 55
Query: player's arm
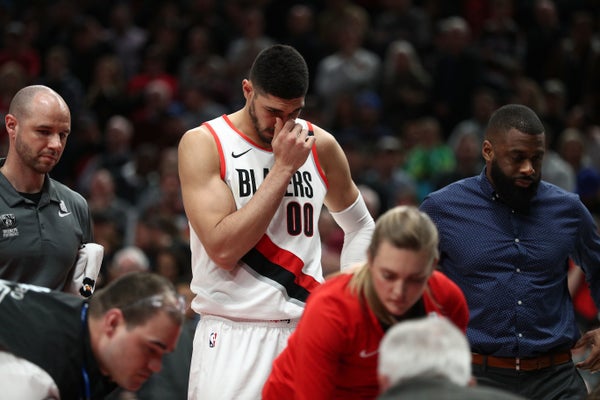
227 233
344 201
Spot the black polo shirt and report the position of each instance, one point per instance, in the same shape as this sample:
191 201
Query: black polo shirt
39 242
45 328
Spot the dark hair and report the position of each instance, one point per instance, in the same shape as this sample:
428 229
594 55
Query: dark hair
517 116
281 71
140 296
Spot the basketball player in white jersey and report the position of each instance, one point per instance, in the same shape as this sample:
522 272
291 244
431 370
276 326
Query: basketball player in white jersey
253 184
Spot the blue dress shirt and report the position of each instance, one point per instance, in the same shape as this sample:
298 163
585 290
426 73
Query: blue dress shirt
512 267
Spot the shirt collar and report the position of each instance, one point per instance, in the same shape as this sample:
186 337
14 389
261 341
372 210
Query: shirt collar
486 186
13 198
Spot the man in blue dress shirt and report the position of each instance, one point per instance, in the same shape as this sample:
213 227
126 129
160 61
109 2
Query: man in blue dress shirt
505 239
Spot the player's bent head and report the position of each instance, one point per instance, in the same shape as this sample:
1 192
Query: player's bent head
281 71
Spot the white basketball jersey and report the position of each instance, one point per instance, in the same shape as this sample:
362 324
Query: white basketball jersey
275 277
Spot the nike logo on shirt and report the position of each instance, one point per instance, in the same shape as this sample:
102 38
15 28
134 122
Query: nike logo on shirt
62 209
364 354
239 154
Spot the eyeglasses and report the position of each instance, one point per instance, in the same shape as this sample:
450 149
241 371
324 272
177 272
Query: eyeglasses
162 300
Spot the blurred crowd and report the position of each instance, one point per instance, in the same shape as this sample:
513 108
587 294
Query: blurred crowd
406 87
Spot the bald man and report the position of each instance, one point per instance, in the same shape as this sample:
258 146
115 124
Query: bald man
43 223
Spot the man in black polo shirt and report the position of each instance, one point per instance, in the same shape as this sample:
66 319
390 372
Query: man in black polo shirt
117 338
43 223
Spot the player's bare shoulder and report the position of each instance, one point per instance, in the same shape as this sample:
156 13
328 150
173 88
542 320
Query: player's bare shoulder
197 148
328 149
198 139
194 136
324 140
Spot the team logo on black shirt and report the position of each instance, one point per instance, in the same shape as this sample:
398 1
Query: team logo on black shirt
9 225
8 221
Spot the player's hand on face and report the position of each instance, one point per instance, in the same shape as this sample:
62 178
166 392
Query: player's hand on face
291 143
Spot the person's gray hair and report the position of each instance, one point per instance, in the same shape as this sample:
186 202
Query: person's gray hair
425 348
130 258
453 23
122 124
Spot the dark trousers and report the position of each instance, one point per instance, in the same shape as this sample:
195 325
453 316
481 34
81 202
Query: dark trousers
559 382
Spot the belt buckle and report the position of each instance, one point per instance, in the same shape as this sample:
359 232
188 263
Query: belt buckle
517 364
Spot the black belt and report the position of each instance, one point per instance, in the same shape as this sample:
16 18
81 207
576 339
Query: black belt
523 364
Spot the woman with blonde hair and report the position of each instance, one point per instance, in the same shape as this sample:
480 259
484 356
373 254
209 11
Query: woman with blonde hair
334 351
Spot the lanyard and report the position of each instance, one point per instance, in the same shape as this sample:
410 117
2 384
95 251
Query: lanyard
87 395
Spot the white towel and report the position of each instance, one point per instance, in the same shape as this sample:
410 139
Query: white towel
87 268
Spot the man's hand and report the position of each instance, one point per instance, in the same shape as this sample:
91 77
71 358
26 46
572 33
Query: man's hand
590 339
291 144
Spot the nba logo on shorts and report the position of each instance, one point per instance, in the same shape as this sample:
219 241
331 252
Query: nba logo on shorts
212 341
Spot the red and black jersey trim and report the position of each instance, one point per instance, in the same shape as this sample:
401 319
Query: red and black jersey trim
281 266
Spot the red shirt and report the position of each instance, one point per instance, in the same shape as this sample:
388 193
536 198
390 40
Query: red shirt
333 352
582 298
